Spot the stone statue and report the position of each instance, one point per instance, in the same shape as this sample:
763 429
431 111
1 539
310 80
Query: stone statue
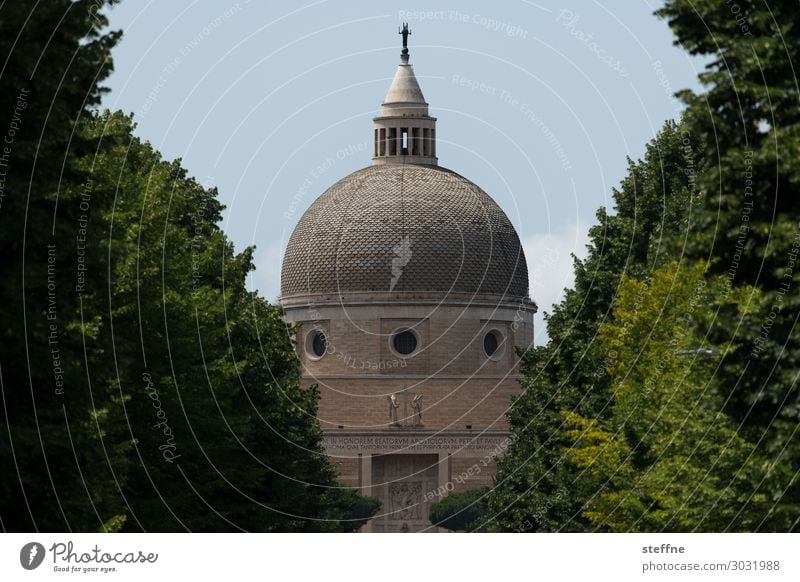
393 406
405 32
405 500
416 406
413 502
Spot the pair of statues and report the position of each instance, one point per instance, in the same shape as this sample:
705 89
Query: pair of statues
416 407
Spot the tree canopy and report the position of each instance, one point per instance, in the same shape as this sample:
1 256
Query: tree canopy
617 429
144 386
536 483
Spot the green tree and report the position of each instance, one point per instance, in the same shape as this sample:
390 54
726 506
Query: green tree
224 437
747 120
460 511
56 469
144 387
667 456
538 488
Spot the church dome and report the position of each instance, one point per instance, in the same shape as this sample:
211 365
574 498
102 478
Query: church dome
404 228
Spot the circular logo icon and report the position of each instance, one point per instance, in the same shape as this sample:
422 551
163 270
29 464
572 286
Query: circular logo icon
31 555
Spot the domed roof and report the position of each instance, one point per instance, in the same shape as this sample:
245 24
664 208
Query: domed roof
403 228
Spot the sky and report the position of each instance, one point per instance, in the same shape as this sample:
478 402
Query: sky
539 103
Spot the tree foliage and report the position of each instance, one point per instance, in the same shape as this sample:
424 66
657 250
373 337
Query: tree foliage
748 121
667 456
56 470
460 511
615 430
144 387
538 488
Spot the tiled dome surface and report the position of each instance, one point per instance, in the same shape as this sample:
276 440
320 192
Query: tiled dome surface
404 228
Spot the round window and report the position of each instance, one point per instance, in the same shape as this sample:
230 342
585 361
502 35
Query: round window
491 341
319 344
405 342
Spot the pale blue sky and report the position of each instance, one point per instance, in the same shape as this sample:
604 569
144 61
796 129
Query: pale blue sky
539 103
